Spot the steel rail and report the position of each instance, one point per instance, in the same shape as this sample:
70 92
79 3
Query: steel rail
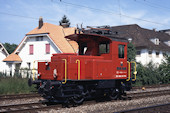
19 96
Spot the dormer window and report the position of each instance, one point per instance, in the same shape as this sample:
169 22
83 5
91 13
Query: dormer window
155 41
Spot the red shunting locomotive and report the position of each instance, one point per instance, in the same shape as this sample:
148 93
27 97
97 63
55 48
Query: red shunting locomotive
99 69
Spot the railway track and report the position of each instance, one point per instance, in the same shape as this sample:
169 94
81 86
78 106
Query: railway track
163 108
148 94
152 86
19 96
35 95
39 106
29 108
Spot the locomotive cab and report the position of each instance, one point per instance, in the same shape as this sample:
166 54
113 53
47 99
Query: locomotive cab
91 45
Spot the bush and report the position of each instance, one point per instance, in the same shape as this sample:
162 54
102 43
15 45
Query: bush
150 74
13 85
164 70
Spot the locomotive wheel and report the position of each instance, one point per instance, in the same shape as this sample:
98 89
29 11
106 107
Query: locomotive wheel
78 99
114 94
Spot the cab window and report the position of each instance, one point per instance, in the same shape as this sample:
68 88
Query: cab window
82 49
121 50
104 48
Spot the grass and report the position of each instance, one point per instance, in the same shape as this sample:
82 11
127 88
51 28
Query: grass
13 85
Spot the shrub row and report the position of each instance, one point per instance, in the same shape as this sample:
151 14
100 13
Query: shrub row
151 74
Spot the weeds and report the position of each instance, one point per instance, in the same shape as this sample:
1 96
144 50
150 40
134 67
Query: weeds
14 85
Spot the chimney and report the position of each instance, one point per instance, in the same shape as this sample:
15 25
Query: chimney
154 29
40 22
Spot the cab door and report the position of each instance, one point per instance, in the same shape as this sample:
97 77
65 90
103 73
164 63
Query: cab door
121 63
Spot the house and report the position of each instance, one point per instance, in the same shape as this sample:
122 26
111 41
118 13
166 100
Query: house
39 45
151 45
3 55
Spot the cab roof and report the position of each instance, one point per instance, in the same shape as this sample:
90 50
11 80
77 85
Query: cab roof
88 37
96 37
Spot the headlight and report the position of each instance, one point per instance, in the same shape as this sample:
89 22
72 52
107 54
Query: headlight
55 73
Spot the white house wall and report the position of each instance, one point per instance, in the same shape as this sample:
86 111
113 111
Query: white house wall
3 65
144 58
39 51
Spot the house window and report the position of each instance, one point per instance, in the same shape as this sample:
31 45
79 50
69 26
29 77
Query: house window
121 51
39 38
47 48
31 49
29 65
157 54
138 53
150 53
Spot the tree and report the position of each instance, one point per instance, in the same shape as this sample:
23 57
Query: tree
164 70
131 52
64 22
10 47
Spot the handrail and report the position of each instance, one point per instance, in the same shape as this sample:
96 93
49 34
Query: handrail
135 72
78 61
65 71
128 71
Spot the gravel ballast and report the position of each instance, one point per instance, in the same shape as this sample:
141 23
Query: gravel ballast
108 107
104 107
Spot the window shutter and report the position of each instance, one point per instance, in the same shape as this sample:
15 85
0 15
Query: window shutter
47 48
31 49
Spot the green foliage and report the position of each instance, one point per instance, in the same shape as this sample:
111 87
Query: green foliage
150 74
64 22
131 52
10 47
13 85
164 70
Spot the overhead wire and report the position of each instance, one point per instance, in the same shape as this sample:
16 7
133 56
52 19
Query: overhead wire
152 5
18 15
109 12
160 6
82 6
28 17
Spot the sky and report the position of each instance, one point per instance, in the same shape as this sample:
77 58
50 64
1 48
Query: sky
18 17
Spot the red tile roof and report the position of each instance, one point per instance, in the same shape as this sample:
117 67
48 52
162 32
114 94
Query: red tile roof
57 34
13 57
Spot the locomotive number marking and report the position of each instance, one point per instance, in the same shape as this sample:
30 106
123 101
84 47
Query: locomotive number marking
121 72
120 75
